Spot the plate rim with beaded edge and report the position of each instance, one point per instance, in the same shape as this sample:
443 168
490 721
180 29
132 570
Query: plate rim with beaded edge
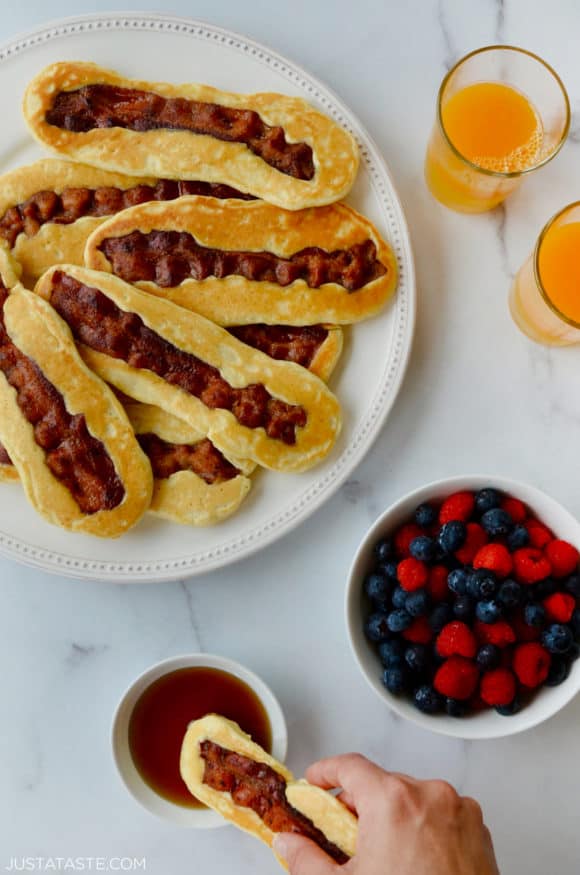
158 551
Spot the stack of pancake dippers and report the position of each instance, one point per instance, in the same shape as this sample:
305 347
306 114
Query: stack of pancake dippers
172 291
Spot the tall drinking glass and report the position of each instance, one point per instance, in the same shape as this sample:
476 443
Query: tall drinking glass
502 112
545 295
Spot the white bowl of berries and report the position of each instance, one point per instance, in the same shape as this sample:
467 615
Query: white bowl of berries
463 606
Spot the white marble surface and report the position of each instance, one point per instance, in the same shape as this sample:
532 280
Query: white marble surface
478 397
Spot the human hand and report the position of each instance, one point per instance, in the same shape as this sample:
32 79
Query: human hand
406 826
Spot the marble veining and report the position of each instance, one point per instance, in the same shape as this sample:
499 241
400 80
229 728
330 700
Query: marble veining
189 602
478 396
450 56
499 20
501 217
79 652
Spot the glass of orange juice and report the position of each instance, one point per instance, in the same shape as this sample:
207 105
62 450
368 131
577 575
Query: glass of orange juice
502 112
545 295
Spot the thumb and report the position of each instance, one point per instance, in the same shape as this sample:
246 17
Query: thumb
302 856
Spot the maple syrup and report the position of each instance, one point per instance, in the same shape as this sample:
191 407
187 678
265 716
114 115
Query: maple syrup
164 710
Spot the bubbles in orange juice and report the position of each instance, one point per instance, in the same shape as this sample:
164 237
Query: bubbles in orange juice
521 158
494 126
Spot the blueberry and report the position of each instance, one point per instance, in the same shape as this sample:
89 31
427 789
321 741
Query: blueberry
473 579
384 549
463 607
399 598
572 585
457 581
440 556
559 671
426 699
488 586
488 657
398 621
557 638
439 617
575 624
517 538
510 594
425 515
378 587
423 548
416 657
507 710
535 615
574 652
417 603
481 583
455 708
451 536
488 611
391 653
545 588
486 499
394 680
389 569
376 627
497 522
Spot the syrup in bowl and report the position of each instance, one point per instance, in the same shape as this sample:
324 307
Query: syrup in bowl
162 712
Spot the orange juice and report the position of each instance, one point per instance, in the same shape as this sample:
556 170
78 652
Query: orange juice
559 268
496 128
545 294
501 112
493 126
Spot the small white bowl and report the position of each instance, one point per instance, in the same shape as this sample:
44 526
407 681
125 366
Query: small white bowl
198 818
486 724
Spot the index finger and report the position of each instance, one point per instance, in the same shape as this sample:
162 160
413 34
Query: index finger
352 772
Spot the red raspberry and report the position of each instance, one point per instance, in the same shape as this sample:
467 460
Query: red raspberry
563 557
515 508
560 607
538 532
457 678
458 506
419 632
403 538
475 539
412 574
501 633
437 583
531 664
496 558
523 631
456 639
498 687
531 565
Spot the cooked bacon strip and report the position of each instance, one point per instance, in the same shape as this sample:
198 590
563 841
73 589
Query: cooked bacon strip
110 106
257 786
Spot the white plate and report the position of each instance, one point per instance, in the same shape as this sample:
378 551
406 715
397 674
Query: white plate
158 47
